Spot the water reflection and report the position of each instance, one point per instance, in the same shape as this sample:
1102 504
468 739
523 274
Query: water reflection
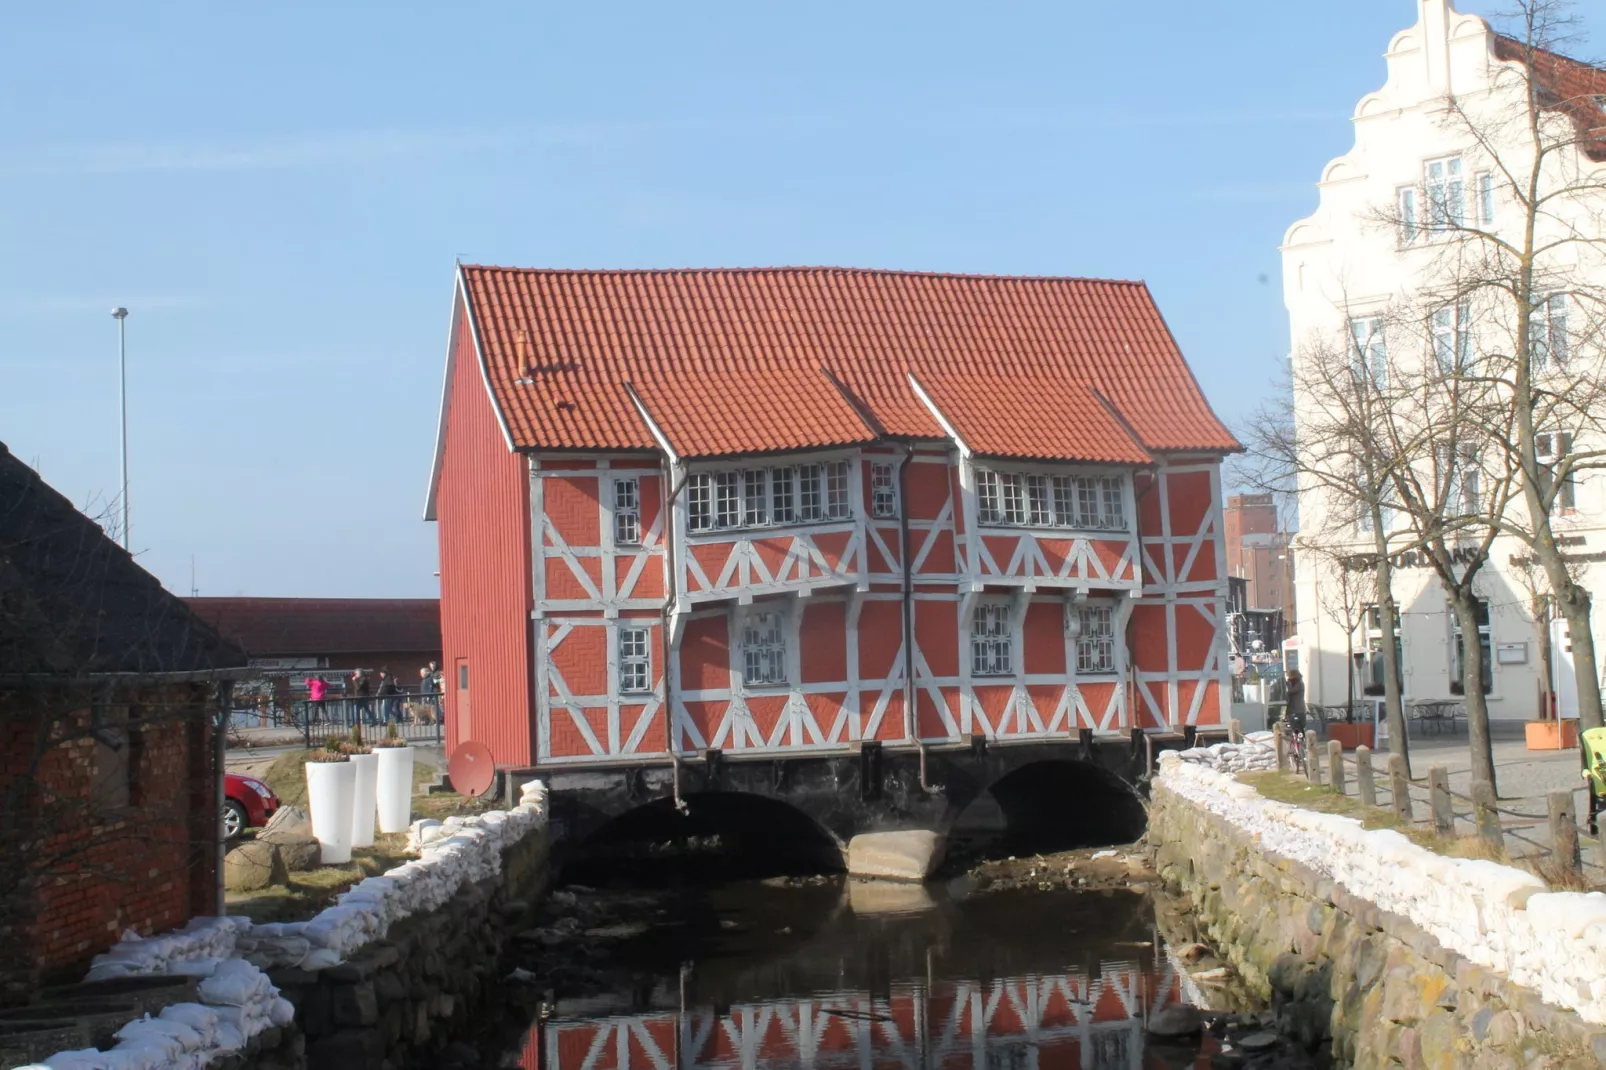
764 978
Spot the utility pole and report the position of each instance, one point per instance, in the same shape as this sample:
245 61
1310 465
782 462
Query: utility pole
121 316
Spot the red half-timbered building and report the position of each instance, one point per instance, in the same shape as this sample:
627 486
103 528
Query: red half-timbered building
837 506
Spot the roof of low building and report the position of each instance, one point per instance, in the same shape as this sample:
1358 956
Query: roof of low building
313 627
746 360
1569 86
74 604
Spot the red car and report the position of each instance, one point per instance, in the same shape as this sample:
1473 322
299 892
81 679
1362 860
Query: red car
247 804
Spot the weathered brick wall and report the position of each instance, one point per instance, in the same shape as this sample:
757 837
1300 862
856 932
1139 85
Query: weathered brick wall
128 836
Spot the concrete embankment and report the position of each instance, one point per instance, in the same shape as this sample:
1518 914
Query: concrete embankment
1373 946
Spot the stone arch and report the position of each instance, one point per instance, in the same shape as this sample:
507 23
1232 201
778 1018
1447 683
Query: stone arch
1063 803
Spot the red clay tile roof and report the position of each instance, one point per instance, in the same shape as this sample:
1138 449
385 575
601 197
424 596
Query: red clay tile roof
782 409
1032 417
312 627
1575 89
559 345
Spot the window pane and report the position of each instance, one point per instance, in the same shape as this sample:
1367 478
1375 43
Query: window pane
810 503
626 512
727 500
1095 645
1039 512
700 502
1065 501
883 493
1113 512
990 640
836 490
1486 198
783 503
1014 500
634 661
764 649
755 502
987 497
1408 215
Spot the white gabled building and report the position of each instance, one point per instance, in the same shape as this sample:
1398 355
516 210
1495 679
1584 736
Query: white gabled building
1344 267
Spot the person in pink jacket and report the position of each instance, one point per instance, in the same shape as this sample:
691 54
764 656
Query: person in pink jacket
317 691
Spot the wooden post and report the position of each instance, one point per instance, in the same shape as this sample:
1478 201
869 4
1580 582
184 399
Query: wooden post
1564 830
1400 787
1281 741
1439 800
1488 819
1363 776
1235 731
1313 767
1335 766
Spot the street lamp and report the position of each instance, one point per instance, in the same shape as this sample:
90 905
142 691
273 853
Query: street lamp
121 316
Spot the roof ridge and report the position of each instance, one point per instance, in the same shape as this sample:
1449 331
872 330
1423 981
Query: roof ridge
779 269
1550 52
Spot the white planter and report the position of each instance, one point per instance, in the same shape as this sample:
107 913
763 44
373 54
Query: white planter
364 800
395 788
331 786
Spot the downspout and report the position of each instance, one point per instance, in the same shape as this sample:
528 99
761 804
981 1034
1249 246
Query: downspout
909 619
220 746
663 628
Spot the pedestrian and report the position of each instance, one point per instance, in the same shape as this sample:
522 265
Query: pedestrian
362 688
389 697
317 692
1295 713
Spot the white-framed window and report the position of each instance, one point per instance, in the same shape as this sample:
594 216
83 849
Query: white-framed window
810 494
764 648
755 502
1372 678
783 495
988 500
1552 450
727 499
1463 481
700 501
991 641
1040 501
1483 188
1446 193
1363 521
1450 326
1458 650
626 512
1369 353
1409 229
1095 641
838 504
883 492
635 661
1547 332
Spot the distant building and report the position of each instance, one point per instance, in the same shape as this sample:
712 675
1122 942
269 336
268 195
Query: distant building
1259 553
786 510
110 779
304 635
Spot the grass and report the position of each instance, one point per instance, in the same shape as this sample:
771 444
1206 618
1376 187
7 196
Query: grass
309 892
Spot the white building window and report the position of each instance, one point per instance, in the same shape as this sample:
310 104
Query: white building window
700 501
991 646
1463 480
1452 338
987 497
810 495
1446 191
1095 642
1112 504
1039 510
1552 450
883 493
1014 499
727 499
1409 229
1065 501
755 502
1370 353
626 512
1372 675
838 505
635 663
1030 500
1547 332
783 495
1458 650
1483 184
764 648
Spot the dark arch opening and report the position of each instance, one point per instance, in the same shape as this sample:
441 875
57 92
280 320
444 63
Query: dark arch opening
721 836
1063 805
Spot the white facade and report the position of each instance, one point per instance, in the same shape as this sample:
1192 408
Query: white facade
1346 263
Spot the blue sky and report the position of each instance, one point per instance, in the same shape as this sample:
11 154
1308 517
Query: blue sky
278 193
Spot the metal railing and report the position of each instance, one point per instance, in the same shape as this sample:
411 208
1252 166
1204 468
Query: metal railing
417 717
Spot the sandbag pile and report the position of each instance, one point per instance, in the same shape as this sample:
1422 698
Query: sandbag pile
1499 917
194 950
1256 753
238 1002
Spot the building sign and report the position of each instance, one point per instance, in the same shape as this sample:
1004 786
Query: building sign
1460 555
289 664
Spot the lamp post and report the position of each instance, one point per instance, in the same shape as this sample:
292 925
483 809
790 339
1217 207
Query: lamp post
121 316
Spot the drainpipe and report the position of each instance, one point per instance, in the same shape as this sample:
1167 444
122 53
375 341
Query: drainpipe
220 749
663 627
909 721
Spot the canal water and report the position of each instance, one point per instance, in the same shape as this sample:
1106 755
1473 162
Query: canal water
821 973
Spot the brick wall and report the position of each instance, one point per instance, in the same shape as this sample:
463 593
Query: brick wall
127 836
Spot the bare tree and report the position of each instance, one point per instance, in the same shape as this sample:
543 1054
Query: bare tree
1517 283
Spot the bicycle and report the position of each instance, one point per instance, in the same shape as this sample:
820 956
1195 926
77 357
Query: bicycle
1294 743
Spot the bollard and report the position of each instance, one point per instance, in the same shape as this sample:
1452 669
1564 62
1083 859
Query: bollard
1335 766
1487 817
1564 830
1235 731
1363 776
1439 800
1281 742
1400 787
1313 767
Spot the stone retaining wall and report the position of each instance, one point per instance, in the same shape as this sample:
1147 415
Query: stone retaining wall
1280 891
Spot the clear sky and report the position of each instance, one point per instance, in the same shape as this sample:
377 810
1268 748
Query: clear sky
278 191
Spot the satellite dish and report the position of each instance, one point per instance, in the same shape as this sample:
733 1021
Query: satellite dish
472 768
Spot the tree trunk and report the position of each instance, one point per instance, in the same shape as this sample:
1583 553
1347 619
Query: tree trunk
1575 606
1464 605
1547 679
1389 618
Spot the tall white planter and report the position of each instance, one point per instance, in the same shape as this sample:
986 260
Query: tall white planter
364 800
331 787
395 788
